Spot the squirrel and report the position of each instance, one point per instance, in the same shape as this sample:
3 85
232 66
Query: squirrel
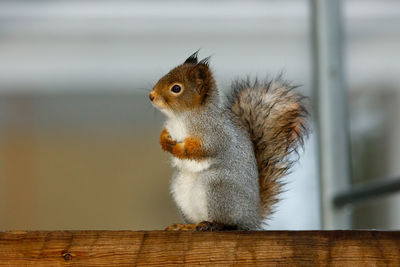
229 155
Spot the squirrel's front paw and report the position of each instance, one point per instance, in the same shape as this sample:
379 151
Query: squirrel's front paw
166 141
180 227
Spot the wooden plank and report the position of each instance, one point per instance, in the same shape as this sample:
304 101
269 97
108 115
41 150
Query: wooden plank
162 248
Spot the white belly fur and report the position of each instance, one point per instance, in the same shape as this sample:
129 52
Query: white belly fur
176 128
190 195
187 189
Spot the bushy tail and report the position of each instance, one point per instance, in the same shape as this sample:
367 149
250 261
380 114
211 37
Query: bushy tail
275 117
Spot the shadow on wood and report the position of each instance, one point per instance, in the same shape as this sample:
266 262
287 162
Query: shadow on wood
59 248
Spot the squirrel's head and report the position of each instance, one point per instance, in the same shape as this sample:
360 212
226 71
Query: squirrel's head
186 87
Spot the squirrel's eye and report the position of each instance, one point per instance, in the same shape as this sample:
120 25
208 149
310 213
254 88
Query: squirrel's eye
176 89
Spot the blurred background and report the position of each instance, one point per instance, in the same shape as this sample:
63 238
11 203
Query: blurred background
79 139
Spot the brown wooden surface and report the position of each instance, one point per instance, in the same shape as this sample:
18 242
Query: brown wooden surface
160 248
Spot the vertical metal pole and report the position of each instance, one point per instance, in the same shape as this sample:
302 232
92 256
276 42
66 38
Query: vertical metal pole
330 102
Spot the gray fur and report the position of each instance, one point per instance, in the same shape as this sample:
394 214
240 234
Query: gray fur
275 116
232 179
247 142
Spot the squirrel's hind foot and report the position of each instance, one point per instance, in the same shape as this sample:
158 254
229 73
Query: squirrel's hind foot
214 226
204 226
181 227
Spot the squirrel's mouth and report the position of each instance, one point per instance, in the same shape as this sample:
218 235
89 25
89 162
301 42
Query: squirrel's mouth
159 104
162 106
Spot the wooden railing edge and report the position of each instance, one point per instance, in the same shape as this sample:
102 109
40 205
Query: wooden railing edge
86 247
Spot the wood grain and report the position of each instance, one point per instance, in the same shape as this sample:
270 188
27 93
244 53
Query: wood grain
163 248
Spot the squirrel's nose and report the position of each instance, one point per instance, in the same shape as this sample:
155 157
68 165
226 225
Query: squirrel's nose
151 96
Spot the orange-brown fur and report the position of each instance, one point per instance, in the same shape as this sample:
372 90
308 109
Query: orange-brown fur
187 75
166 142
181 227
190 148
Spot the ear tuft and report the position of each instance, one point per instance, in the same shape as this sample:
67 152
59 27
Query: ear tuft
192 59
205 61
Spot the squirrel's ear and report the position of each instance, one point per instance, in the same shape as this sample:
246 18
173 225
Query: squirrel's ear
201 76
192 59
204 61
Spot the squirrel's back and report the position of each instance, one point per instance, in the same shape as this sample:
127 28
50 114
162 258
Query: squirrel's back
274 115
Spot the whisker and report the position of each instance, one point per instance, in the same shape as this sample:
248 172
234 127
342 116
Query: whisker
155 112
142 89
